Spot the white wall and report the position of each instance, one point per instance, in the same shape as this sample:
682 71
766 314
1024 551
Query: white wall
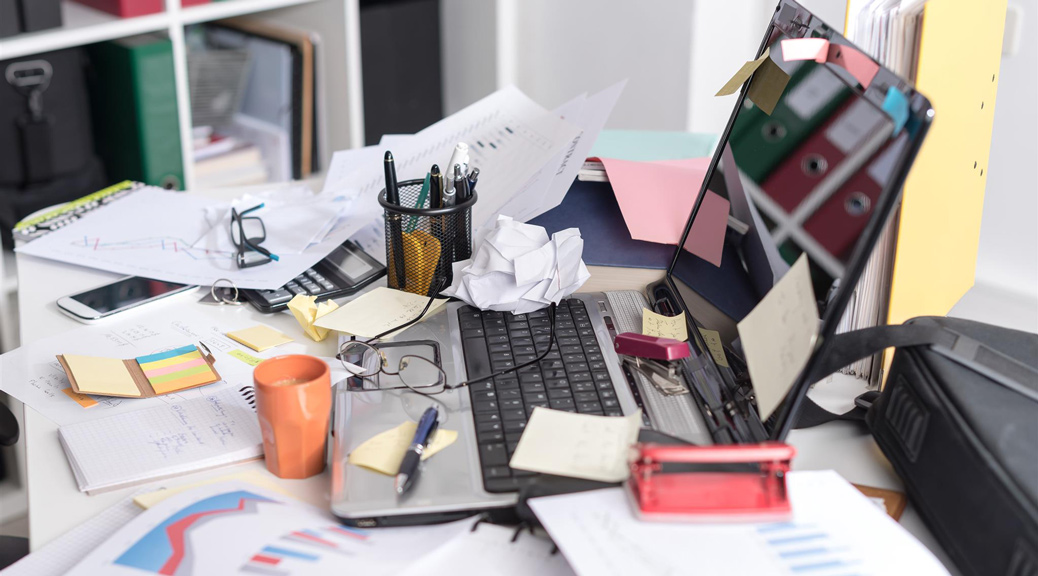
1008 254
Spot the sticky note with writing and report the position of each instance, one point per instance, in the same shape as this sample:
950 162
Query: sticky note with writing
713 343
654 324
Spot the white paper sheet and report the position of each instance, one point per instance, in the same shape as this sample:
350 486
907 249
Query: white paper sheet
519 269
293 220
835 530
150 233
236 528
490 551
510 138
33 375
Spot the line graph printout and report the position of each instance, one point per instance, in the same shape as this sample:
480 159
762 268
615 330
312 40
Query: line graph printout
33 375
150 233
238 528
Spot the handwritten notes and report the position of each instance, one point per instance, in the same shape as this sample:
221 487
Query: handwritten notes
715 346
245 357
377 311
259 337
778 336
306 311
661 326
383 452
577 445
161 441
105 376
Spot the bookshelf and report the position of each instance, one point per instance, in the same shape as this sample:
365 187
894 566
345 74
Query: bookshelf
337 21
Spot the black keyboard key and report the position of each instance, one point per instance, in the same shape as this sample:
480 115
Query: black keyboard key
491 472
496 331
583 386
512 414
557 384
613 412
493 454
524 341
552 374
503 355
500 485
606 393
481 386
601 376
485 406
487 417
278 296
596 365
511 437
486 437
498 340
521 359
559 393
548 364
501 365
501 347
574 341
585 397
515 425
488 427
477 359
517 332
528 387
562 404
512 403
577 367
530 405
475 332
491 322
535 397
511 448
523 351
580 377
572 353
610 403
509 394
586 408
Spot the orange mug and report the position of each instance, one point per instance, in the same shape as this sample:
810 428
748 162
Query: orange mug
294 402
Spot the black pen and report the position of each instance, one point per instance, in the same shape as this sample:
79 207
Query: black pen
473 176
395 227
462 246
413 457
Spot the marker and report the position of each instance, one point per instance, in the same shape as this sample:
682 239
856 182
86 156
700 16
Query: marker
396 233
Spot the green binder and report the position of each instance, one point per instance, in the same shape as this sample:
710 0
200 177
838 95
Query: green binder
761 142
135 110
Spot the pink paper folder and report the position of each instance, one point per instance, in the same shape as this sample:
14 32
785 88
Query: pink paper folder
657 197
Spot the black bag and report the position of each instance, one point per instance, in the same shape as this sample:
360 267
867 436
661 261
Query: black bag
958 420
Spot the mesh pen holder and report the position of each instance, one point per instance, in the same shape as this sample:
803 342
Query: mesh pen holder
427 241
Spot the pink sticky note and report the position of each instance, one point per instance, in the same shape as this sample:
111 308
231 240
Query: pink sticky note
706 238
657 197
816 49
850 59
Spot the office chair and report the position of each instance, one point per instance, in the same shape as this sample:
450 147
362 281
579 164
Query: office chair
12 548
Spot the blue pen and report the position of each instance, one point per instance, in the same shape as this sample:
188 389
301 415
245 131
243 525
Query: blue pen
409 465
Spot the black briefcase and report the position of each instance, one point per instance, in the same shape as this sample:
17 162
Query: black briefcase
958 420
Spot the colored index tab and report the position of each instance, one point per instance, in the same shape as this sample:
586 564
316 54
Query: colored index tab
816 49
167 354
852 60
896 106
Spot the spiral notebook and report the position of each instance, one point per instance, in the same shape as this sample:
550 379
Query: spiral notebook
179 437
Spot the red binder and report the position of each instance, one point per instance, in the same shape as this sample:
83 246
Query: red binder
125 8
806 167
736 483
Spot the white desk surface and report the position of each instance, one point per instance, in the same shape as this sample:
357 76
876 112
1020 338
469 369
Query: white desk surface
56 504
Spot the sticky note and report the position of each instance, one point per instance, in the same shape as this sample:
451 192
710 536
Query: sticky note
778 336
656 198
259 337
176 369
816 49
245 357
577 445
306 310
767 86
104 376
377 311
706 237
852 60
661 326
383 452
81 399
715 346
896 106
742 74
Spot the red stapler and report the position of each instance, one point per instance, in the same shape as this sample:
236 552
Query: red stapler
655 358
737 483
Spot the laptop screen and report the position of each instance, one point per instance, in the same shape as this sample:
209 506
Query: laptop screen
809 168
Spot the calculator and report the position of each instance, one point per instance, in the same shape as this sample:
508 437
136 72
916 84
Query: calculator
343 272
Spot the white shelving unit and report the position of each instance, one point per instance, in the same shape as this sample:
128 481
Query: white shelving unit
337 21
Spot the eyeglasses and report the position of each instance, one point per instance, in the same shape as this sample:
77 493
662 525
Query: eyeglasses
247 233
419 374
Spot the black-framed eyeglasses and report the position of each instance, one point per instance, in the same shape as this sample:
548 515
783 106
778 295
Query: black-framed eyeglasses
247 233
422 375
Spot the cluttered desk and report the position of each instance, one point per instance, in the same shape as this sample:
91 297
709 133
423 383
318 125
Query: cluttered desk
311 382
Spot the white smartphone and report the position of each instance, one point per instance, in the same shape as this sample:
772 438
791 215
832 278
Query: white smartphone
117 296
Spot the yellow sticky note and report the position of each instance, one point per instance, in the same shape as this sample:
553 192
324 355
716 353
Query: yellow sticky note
377 311
767 86
713 343
383 452
261 479
104 376
654 324
741 75
245 357
306 310
778 336
259 337
81 399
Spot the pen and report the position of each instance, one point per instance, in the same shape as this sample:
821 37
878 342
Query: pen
409 465
454 184
395 225
435 187
473 176
459 156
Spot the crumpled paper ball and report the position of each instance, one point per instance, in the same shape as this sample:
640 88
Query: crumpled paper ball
519 269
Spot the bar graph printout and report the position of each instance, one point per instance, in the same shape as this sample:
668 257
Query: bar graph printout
835 531
239 528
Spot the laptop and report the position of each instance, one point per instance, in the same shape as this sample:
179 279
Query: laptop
819 176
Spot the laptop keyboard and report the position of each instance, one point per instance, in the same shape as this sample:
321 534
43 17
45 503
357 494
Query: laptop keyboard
573 377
